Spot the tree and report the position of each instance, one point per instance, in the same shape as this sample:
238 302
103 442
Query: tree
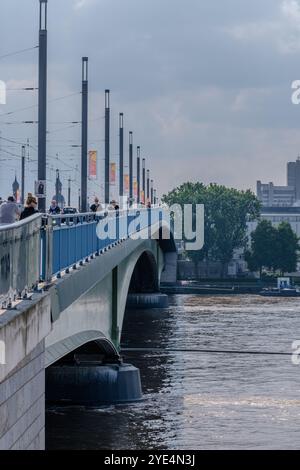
273 248
227 212
193 193
230 210
287 247
263 252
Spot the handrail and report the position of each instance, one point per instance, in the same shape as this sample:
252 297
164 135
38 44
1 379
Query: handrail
20 223
76 236
20 257
45 245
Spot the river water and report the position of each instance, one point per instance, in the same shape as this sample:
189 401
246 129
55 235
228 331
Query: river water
200 401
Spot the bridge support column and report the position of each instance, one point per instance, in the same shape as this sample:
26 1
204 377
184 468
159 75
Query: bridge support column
147 301
93 385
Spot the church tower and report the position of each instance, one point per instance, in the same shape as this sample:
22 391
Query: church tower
16 189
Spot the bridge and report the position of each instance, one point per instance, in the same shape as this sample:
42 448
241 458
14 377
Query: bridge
64 285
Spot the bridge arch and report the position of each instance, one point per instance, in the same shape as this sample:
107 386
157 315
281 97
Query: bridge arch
89 303
144 278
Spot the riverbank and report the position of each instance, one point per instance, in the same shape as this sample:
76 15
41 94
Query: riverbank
216 288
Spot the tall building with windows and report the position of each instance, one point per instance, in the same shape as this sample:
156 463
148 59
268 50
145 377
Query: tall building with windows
293 176
271 195
278 196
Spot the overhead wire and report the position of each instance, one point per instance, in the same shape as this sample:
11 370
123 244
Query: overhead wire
21 51
206 351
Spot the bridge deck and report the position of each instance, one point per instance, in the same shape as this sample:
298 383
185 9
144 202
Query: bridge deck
35 250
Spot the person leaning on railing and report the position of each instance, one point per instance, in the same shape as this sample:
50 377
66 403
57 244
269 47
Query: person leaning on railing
30 207
113 206
9 211
96 207
54 208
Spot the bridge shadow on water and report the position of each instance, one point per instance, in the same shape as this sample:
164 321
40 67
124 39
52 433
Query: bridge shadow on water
132 426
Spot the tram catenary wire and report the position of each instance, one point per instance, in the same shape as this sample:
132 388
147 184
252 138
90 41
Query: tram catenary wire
206 351
21 51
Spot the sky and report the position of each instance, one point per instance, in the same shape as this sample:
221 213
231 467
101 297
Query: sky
204 85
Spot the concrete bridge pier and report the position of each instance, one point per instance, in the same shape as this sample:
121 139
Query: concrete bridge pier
147 301
92 373
93 384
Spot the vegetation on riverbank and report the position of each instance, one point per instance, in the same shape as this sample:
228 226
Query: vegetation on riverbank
273 248
227 212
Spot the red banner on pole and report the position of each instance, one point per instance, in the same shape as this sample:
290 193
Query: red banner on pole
93 164
113 173
126 183
135 188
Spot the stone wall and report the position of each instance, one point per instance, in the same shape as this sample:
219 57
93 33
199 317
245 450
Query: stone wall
22 374
22 404
211 270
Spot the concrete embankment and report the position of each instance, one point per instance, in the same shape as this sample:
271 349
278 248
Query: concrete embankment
210 290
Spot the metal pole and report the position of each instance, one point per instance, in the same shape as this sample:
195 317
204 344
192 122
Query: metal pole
84 134
42 101
69 192
56 186
148 185
144 180
23 175
155 198
79 200
138 171
107 146
130 166
121 162
152 193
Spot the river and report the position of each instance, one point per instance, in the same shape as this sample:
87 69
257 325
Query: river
195 400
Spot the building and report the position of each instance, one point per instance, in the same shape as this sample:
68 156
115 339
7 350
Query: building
275 196
293 176
276 215
271 195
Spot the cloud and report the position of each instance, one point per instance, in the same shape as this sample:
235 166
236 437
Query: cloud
205 88
291 10
255 31
79 4
282 31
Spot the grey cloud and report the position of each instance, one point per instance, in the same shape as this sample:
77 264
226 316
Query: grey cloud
204 85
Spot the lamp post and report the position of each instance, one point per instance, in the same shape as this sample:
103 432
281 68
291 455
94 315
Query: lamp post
130 167
42 102
138 172
107 146
69 192
144 180
121 161
23 175
152 193
84 134
148 185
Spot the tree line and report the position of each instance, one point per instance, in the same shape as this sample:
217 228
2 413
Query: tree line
273 248
227 213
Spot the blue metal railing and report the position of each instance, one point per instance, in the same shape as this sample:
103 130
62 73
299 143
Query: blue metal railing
76 237
43 246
